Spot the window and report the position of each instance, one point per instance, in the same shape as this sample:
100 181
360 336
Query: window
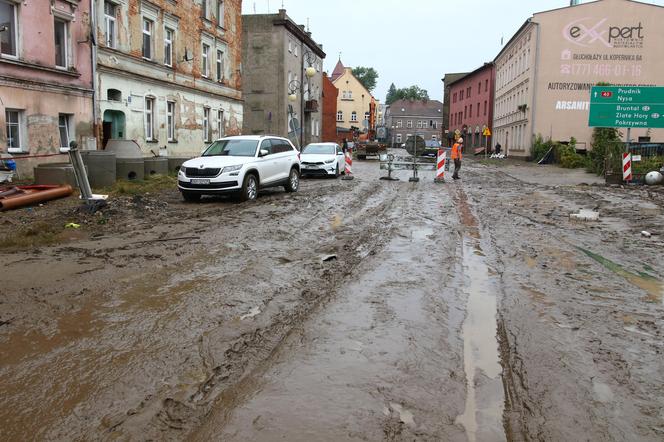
149 119
14 122
113 95
61 43
485 107
340 116
109 24
206 124
468 92
454 98
461 95
398 138
353 116
399 123
64 125
478 109
205 67
290 46
220 65
465 111
168 46
295 50
204 8
486 85
170 120
434 137
9 35
147 39
479 87
220 123
366 116
220 13
419 124
409 124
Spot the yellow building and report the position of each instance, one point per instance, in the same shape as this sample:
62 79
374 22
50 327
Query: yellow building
353 100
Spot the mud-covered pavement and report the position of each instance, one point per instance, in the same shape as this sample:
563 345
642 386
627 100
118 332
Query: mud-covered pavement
352 310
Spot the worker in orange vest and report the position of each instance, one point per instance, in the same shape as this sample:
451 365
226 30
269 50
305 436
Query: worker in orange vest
456 156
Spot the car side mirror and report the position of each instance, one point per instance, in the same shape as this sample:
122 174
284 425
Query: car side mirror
263 153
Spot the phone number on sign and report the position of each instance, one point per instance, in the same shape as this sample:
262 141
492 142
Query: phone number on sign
604 70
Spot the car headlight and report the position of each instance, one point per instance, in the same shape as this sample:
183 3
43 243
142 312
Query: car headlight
329 162
228 169
183 169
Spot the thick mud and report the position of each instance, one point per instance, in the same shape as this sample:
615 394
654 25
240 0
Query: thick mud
364 309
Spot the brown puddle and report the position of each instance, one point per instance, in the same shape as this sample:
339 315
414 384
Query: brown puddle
483 414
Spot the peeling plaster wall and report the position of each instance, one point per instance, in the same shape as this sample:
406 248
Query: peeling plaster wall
189 107
124 69
33 85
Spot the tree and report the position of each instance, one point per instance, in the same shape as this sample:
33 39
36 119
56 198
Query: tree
366 76
412 93
391 94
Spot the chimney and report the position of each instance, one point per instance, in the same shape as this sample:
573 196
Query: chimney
574 2
282 13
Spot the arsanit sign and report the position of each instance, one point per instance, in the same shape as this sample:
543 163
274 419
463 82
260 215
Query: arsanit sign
590 31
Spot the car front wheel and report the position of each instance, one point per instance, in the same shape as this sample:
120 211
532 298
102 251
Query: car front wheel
249 190
293 181
191 197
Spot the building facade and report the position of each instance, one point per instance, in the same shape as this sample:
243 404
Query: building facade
471 106
406 118
329 120
447 80
545 72
353 103
46 94
281 98
168 73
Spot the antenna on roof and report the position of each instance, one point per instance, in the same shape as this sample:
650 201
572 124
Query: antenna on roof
308 24
254 7
339 55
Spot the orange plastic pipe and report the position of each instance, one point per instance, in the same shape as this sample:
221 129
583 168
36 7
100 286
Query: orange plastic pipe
35 197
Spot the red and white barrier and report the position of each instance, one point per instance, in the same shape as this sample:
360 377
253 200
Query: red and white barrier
348 170
440 169
627 167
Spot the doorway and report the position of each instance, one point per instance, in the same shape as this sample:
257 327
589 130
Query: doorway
113 126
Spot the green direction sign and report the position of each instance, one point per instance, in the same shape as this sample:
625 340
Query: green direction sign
626 106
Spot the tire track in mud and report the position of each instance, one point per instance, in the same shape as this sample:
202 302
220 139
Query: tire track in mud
484 414
574 363
249 351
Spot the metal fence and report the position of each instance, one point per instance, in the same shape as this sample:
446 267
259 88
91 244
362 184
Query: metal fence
646 157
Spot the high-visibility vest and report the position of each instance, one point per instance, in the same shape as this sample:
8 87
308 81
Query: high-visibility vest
456 151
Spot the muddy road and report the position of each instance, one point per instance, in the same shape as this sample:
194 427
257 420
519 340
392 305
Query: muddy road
351 310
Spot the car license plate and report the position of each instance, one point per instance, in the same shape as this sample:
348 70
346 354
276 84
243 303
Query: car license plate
200 181
311 166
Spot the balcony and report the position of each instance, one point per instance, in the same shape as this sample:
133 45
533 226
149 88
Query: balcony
311 106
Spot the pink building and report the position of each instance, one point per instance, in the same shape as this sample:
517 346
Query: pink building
46 93
471 106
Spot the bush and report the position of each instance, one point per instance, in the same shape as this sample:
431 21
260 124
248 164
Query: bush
605 153
567 156
647 165
540 148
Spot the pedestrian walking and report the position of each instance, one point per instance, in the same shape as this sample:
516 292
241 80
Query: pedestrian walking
456 157
344 146
498 147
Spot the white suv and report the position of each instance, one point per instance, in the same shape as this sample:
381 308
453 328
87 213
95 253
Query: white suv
241 165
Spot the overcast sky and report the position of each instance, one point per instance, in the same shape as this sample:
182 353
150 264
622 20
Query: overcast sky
411 42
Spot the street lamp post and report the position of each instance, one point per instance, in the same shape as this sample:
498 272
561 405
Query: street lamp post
393 135
309 73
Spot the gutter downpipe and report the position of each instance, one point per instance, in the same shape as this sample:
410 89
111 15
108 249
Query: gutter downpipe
93 55
533 106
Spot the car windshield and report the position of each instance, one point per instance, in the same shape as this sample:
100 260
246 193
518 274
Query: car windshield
232 148
320 149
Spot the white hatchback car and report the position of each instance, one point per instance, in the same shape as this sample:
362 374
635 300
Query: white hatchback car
241 165
322 159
